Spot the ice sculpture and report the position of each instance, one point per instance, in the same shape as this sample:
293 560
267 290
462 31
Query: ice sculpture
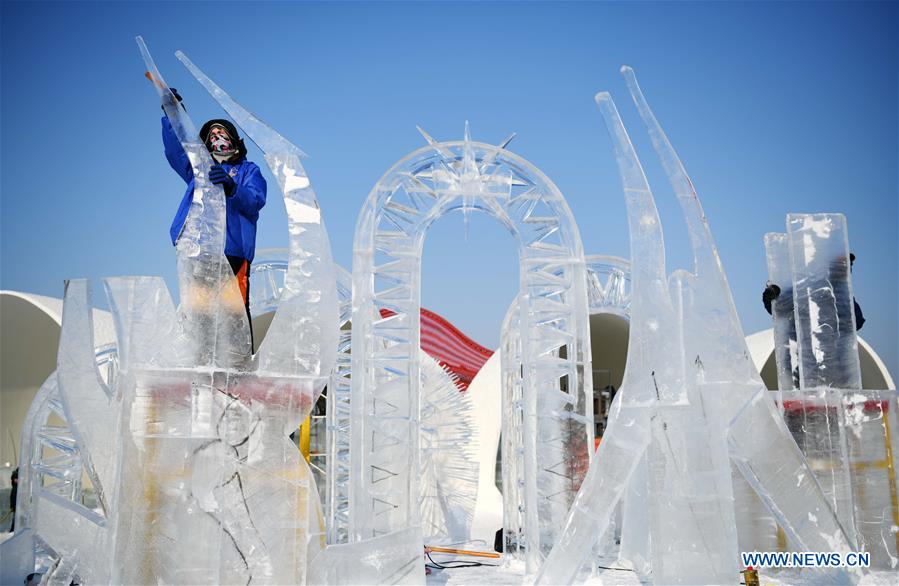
54 459
608 291
337 512
201 485
837 425
777 251
512 442
691 401
608 285
390 232
822 296
392 558
449 474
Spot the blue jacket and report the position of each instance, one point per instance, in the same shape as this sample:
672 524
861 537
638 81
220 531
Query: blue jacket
242 208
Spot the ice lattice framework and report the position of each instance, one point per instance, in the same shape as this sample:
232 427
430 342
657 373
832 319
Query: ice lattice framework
188 449
449 471
557 420
691 403
608 291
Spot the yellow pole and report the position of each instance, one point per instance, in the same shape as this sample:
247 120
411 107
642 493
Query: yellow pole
305 437
891 470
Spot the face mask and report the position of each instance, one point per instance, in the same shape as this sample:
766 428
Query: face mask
219 144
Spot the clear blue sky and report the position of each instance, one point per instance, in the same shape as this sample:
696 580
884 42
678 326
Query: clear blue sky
774 108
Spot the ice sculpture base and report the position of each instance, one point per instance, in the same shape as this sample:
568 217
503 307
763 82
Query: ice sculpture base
395 558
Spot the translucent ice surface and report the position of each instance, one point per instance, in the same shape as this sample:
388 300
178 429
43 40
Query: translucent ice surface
208 486
777 251
393 558
822 293
557 420
337 511
692 401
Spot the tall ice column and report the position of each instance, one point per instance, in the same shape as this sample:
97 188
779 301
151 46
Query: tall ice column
777 251
825 316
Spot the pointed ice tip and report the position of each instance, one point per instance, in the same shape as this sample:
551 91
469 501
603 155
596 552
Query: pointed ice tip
428 138
467 132
508 139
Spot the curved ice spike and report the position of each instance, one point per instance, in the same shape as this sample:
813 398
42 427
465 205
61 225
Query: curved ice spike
302 339
212 310
706 262
700 235
91 410
647 379
266 138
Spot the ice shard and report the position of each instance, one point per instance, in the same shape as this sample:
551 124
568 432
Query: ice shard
386 369
699 407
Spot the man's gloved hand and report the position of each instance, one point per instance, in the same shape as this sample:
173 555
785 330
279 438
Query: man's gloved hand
219 176
770 294
170 97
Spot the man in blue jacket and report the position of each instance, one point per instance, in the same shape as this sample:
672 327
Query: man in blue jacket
244 188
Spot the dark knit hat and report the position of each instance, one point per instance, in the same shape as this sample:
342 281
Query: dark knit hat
232 130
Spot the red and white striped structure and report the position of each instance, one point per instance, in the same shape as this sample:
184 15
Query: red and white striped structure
455 351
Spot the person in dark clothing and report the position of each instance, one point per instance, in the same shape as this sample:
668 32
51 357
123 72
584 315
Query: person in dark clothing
13 495
773 292
825 366
242 181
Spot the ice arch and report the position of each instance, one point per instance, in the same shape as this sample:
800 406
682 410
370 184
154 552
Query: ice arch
557 423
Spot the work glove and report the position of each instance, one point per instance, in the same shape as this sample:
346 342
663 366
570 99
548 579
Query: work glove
219 176
770 294
170 97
